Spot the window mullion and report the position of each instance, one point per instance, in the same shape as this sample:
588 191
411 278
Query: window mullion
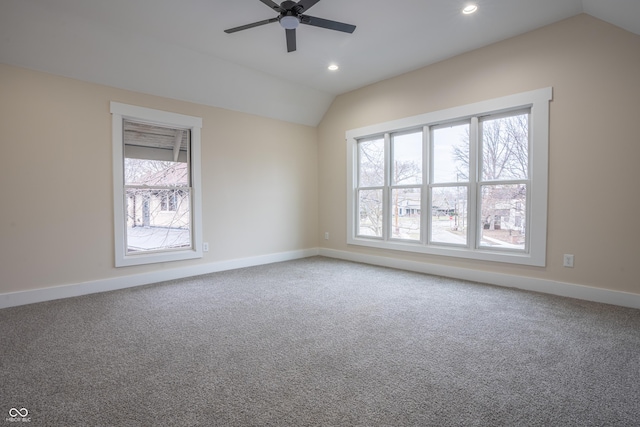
426 180
386 192
157 187
474 170
504 182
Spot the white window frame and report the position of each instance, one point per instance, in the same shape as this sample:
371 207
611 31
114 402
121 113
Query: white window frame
537 101
119 113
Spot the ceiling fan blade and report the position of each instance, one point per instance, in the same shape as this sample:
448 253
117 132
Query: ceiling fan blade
273 5
325 23
291 40
304 5
255 24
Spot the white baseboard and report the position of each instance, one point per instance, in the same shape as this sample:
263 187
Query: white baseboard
13 299
624 299
588 293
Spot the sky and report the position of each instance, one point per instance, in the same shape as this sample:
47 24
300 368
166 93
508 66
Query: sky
409 147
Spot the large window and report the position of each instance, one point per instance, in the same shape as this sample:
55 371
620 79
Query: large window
468 182
156 158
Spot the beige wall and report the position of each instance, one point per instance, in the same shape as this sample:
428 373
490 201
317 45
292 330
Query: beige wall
594 200
270 186
259 182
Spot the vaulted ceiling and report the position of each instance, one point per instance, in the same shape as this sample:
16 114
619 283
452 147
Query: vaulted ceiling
178 49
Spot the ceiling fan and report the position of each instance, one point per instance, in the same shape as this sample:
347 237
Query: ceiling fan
290 16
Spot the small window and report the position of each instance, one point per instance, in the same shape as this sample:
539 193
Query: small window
156 185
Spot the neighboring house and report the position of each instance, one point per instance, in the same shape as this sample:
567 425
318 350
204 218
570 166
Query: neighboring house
506 216
166 207
409 204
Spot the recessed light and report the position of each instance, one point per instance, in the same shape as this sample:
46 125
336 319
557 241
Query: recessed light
333 67
469 9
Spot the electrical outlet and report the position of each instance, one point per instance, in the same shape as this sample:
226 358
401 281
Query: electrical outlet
567 260
326 235
205 247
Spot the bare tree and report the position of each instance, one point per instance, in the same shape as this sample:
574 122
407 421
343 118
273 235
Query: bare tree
158 199
505 148
372 174
371 211
505 155
405 172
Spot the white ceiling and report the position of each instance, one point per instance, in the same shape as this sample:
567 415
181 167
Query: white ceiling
178 49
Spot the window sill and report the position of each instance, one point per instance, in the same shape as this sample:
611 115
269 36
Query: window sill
521 258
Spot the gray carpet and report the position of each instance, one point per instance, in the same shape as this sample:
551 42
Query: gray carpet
320 342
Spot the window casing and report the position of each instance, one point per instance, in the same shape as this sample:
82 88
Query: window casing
156 181
467 182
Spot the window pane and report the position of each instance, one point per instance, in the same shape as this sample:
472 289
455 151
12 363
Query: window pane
505 148
152 227
503 215
371 163
407 159
405 216
155 173
451 154
449 215
370 213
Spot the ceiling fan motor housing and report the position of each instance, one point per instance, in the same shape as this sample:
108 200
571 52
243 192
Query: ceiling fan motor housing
290 7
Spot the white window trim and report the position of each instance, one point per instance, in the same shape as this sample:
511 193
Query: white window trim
163 118
538 101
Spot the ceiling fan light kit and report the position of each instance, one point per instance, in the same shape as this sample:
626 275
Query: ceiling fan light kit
290 16
289 22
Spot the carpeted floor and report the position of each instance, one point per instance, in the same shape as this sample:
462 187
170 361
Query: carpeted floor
320 342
